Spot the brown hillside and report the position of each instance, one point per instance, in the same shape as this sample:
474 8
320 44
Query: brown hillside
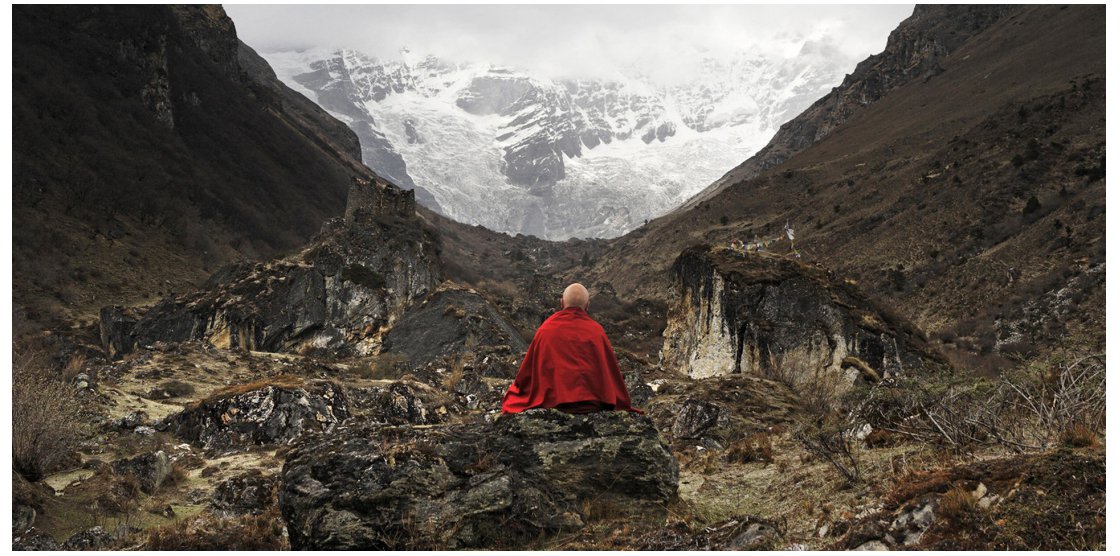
971 201
150 147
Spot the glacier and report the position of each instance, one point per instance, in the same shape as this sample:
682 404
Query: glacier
522 153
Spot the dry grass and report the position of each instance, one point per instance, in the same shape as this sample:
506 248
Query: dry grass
209 532
74 366
1079 435
386 366
278 381
957 503
756 447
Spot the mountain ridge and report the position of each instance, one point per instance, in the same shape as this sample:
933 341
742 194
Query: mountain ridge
553 158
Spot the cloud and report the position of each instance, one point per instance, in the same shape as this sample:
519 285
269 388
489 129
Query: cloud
575 40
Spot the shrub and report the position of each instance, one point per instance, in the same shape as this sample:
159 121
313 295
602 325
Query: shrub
46 418
957 503
209 532
830 439
756 447
1027 409
818 389
1078 435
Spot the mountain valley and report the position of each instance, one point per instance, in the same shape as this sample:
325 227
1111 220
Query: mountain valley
260 304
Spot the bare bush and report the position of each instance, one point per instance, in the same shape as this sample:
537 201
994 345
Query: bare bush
832 441
46 418
756 447
818 389
1029 409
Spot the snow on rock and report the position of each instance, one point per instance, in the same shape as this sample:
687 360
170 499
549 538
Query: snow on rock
520 153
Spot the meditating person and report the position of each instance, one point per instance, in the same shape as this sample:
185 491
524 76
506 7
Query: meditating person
570 364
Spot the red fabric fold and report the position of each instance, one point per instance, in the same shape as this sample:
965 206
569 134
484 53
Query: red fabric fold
570 360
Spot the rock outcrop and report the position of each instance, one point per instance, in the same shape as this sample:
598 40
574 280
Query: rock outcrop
474 485
334 295
266 413
769 315
248 494
454 323
402 402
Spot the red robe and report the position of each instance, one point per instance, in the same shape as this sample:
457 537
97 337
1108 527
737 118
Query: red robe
570 360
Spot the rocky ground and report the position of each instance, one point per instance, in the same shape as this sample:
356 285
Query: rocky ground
347 395
195 443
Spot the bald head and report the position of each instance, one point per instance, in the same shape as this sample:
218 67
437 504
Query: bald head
576 295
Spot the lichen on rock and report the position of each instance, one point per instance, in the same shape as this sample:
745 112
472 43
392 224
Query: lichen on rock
469 485
768 315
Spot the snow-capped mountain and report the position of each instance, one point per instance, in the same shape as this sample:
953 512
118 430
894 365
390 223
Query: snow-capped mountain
521 153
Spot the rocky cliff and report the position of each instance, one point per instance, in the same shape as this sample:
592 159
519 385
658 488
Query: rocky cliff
767 315
336 294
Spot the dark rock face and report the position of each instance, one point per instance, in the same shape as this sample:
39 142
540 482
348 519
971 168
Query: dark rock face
245 494
269 414
149 469
369 199
165 88
473 485
333 296
765 314
452 323
116 327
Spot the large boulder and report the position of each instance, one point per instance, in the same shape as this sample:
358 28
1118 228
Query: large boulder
270 412
34 539
149 469
764 314
599 455
94 538
472 485
251 493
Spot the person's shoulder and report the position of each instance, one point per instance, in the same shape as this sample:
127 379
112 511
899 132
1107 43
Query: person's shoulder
594 324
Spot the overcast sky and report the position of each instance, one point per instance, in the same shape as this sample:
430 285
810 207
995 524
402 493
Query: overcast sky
572 40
